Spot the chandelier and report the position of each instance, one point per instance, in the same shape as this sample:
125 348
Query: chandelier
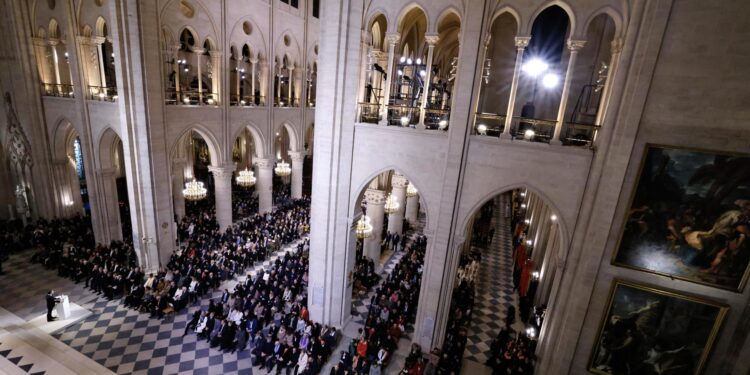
364 228
411 190
391 204
282 169
246 178
194 190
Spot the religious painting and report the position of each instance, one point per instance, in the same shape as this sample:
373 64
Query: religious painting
689 217
647 331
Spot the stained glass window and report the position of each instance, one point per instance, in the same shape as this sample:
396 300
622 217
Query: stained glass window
78 158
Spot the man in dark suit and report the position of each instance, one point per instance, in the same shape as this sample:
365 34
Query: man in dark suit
51 301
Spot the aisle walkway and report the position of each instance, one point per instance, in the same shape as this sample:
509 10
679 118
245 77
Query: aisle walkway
494 287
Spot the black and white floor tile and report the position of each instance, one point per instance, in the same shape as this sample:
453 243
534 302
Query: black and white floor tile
494 288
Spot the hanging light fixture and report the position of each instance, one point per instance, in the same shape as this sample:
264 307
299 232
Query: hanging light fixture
246 178
411 190
364 228
194 190
391 204
282 169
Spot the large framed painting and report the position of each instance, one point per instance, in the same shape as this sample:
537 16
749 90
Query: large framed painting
648 331
689 217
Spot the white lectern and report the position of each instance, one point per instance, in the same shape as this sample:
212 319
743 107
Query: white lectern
63 307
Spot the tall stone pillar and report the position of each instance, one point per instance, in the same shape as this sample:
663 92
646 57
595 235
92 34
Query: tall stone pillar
264 184
178 183
375 202
412 209
573 46
223 194
392 39
396 219
431 40
616 50
298 160
521 43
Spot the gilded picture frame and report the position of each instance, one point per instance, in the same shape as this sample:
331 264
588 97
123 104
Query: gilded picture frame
688 217
648 330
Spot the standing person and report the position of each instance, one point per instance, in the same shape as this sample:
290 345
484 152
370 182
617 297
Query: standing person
51 300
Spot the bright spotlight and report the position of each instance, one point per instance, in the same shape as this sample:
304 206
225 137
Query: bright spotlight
442 124
404 121
535 67
482 129
550 80
419 61
553 217
403 58
528 134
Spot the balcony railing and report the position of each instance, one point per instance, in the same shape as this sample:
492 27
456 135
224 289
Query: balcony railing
104 94
369 113
57 89
534 130
577 134
402 115
191 97
247 100
285 103
436 119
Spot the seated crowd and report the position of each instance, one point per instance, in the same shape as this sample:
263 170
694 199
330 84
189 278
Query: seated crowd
269 310
393 306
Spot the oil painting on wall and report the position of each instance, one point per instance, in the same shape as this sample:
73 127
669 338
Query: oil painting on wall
689 217
648 331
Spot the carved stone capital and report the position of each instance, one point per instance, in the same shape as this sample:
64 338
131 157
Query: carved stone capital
266 163
522 41
198 51
366 37
617 45
575 45
392 38
374 196
431 39
399 181
222 172
296 156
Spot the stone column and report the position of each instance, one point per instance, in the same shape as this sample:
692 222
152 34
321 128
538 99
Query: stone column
521 43
198 52
574 46
40 49
431 40
412 209
178 183
396 219
298 160
55 60
365 66
548 265
216 80
223 193
253 68
375 202
290 93
392 39
264 184
175 58
264 80
616 50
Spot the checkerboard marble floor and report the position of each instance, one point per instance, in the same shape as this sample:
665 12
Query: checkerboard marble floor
119 338
126 341
494 287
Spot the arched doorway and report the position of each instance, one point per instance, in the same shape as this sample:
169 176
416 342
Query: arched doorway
114 183
385 272
503 283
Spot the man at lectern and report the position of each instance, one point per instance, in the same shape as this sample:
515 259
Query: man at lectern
51 301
